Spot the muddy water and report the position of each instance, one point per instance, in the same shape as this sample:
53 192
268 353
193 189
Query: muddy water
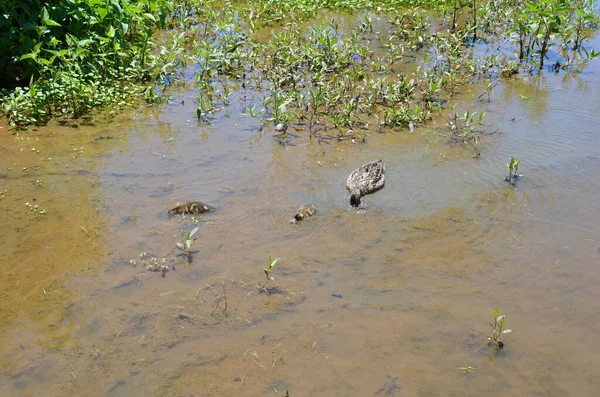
390 300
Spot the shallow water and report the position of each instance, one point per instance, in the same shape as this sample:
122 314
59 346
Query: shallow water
390 300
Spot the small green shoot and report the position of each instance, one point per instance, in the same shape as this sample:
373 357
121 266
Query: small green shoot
186 241
271 264
467 368
513 169
498 330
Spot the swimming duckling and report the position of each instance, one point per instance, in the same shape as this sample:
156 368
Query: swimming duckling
364 180
193 207
306 211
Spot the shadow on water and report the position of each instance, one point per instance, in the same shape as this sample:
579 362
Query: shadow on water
390 300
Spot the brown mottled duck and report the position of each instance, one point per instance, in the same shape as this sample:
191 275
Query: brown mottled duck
193 207
365 180
306 211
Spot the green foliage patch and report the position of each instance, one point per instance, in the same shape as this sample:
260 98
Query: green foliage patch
65 58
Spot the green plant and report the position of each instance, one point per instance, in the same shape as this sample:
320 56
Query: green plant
498 330
513 169
154 265
463 129
77 55
271 264
467 368
186 241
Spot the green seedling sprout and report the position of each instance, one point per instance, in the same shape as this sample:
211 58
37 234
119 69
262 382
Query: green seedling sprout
513 169
498 330
186 241
271 264
467 368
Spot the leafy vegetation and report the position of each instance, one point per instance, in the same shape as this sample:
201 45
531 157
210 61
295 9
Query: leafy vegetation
62 58
271 262
513 169
66 58
498 330
186 242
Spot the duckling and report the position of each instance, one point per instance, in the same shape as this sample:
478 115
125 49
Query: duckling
306 211
193 207
364 180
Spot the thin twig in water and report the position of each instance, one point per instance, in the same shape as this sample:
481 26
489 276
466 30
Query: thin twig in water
221 298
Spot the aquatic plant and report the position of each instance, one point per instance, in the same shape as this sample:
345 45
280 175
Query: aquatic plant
327 74
270 265
186 241
463 129
154 265
34 209
513 169
467 368
498 330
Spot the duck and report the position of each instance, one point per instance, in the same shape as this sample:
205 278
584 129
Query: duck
193 207
306 211
365 180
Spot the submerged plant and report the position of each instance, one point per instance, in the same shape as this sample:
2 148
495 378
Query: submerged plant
155 266
498 330
513 169
463 129
467 368
271 264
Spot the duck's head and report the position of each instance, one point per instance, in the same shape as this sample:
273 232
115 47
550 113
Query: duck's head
355 198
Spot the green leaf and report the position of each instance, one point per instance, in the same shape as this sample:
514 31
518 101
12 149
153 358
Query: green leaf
50 22
46 61
111 32
85 42
180 245
495 312
194 230
500 320
149 16
188 244
30 55
46 18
